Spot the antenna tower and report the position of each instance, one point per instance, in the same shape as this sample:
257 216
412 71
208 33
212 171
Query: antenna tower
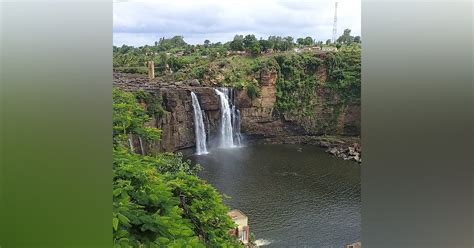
334 27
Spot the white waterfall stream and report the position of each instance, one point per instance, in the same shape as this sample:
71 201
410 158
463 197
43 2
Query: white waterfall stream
229 135
199 129
141 145
130 143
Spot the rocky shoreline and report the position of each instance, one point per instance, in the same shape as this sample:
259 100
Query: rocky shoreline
351 152
347 148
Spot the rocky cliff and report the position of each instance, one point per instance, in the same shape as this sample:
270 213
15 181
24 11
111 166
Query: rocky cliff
329 114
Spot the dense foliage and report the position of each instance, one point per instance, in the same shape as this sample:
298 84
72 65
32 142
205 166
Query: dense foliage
177 54
296 81
344 71
241 62
158 201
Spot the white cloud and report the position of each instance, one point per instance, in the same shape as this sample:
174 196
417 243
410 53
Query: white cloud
143 22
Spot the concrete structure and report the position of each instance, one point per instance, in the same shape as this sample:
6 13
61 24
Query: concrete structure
311 48
354 245
236 53
242 231
329 49
151 69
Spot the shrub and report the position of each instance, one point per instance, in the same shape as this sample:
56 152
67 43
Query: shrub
253 90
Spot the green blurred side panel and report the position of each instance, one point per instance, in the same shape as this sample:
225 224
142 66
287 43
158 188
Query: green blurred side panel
56 115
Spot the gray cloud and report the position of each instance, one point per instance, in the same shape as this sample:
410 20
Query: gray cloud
139 23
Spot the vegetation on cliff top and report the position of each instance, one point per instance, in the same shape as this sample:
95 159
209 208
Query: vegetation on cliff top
158 201
223 64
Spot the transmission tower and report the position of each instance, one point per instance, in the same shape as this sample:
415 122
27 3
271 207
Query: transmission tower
334 27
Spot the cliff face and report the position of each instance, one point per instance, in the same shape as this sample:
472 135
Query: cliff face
177 121
330 115
259 118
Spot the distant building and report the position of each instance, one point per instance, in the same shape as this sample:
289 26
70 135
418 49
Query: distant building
242 231
329 49
315 48
311 48
236 53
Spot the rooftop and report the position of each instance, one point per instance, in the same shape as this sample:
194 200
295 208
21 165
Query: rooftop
235 214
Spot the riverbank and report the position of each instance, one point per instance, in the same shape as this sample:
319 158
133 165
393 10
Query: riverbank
347 148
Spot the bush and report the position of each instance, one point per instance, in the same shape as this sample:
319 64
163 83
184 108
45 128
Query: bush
253 90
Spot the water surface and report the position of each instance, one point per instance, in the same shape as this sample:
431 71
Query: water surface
294 195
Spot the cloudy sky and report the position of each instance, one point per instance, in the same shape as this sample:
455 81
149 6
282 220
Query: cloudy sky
143 22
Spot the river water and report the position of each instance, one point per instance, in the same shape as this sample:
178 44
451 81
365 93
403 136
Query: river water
293 195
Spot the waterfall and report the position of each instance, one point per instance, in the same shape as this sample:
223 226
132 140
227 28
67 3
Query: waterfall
199 130
230 119
141 145
130 143
236 126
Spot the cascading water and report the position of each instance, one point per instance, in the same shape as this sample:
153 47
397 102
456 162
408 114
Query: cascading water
199 129
230 119
130 143
141 145
236 126
226 132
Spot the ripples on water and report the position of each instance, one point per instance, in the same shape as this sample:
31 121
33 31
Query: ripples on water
294 195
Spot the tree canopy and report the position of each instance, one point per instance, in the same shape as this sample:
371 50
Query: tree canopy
346 37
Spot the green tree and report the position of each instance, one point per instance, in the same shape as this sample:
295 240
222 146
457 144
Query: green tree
249 41
287 43
308 41
265 45
129 117
346 37
300 41
251 44
281 44
238 43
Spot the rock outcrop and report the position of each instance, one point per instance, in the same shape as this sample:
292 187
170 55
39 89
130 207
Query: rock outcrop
331 114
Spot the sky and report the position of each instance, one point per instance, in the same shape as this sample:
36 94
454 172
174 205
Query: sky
139 23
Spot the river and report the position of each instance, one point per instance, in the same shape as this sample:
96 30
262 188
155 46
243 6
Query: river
293 195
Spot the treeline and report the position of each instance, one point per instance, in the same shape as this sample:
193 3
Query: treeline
254 46
166 48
